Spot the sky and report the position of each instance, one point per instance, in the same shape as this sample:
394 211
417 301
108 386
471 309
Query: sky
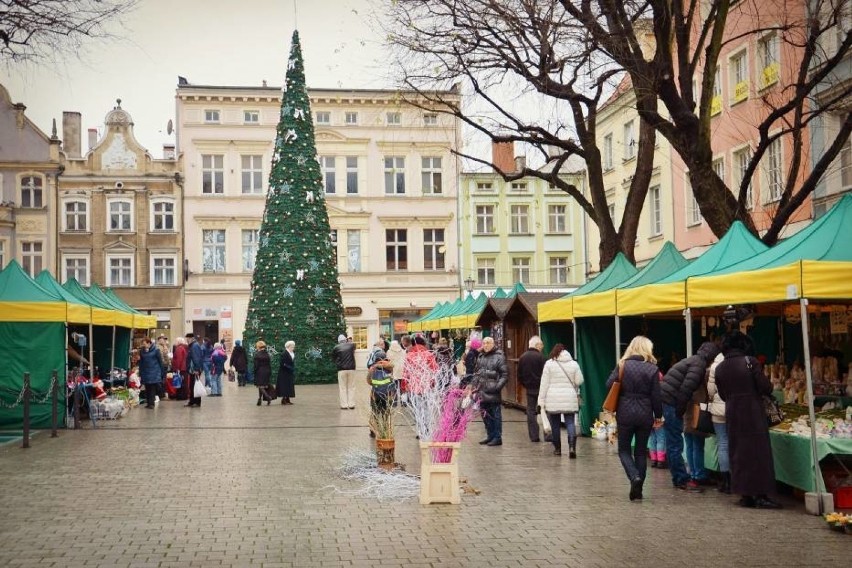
213 42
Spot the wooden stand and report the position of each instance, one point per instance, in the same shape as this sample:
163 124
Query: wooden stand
439 482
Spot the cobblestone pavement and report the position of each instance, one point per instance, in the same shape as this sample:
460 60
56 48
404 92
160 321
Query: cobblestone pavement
233 484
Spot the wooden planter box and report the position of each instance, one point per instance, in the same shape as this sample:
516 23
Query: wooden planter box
439 482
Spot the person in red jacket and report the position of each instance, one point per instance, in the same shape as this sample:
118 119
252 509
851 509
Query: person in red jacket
179 366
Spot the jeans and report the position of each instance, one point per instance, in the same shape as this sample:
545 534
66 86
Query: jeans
215 383
556 429
492 417
657 444
532 416
633 458
673 426
695 456
206 366
722 446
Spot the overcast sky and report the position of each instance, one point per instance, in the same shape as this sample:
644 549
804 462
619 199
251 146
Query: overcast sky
215 42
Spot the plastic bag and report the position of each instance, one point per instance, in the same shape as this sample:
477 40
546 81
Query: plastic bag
545 423
198 390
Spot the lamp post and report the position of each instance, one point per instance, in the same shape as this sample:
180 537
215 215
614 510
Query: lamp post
468 285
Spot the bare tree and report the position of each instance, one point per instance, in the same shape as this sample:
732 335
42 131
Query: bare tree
43 29
691 37
517 57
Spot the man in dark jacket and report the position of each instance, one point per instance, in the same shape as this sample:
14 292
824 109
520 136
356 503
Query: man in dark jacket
530 366
343 355
489 378
195 365
239 362
676 391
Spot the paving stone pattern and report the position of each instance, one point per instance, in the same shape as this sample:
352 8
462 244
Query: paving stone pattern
233 484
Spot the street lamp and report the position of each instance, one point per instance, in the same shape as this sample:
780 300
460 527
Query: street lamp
468 284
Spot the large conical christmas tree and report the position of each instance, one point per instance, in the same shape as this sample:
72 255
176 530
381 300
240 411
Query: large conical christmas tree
295 293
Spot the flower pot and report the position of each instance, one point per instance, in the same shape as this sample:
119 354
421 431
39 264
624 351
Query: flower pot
385 453
439 480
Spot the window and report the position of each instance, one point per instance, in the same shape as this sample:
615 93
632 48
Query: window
742 158
251 116
394 119
395 175
32 257
521 269
252 174
163 270
518 186
212 173
767 53
76 216
323 117
432 176
558 270
719 168
739 76
693 212
213 251
716 101
250 241
607 157
396 249
353 250
485 273
77 267
32 192
774 181
328 175
557 219
484 219
485 186
520 219
211 116
846 164
629 141
120 270
163 215
359 337
351 118
655 210
430 119
120 214
351 174
433 249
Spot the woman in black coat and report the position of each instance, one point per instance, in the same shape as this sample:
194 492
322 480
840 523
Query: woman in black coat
262 372
150 370
639 408
239 362
742 385
286 385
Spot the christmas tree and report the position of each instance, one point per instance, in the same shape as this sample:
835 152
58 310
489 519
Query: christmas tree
295 293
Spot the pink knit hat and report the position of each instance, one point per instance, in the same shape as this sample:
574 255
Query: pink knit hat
475 343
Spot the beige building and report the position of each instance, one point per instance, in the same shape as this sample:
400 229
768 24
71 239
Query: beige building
29 167
119 218
390 184
525 231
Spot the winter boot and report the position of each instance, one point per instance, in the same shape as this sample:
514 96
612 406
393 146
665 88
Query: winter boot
572 448
725 483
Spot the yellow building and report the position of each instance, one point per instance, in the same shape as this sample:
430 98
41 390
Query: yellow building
523 231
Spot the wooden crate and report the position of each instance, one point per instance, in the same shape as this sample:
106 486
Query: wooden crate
439 482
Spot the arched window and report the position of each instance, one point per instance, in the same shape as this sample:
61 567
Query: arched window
32 192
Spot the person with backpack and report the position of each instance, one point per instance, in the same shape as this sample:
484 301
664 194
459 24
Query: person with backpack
380 379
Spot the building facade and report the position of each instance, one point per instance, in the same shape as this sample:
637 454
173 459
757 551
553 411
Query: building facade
526 230
29 168
119 218
390 183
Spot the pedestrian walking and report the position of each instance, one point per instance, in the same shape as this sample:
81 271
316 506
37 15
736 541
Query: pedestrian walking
639 408
150 370
217 369
207 359
195 366
239 362
396 356
262 373
559 397
286 383
530 367
489 378
343 355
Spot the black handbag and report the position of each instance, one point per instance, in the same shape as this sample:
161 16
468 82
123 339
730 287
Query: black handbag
774 414
704 422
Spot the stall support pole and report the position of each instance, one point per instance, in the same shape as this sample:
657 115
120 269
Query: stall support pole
112 360
688 315
91 353
574 327
54 403
818 483
26 411
617 339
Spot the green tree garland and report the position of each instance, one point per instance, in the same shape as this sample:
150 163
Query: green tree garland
295 292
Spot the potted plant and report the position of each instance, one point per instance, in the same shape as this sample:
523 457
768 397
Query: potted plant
381 423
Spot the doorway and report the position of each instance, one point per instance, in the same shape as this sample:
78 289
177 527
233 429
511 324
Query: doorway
206 328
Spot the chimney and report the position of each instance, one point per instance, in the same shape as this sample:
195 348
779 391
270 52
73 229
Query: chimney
19 114
520 163
93 137
71 133
168 151
502 155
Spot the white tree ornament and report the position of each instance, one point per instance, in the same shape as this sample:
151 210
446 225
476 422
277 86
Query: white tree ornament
290 136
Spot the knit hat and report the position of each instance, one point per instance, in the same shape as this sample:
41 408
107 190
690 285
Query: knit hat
475 343
341 338
238 342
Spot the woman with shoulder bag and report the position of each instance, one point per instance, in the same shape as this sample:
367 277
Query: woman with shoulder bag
639 408
559 395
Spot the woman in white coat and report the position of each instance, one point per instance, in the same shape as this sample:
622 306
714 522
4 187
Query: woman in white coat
559 395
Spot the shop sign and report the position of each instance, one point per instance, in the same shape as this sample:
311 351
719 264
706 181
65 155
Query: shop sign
352 311
211 313
838 320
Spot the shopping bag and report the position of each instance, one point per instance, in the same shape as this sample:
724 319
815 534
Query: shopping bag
198 389
545 423
611 402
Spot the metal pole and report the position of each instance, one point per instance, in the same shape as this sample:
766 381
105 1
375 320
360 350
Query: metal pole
818 483
574 327
91 352
617 339
76 402
54 396
688 314
26 402
112 360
